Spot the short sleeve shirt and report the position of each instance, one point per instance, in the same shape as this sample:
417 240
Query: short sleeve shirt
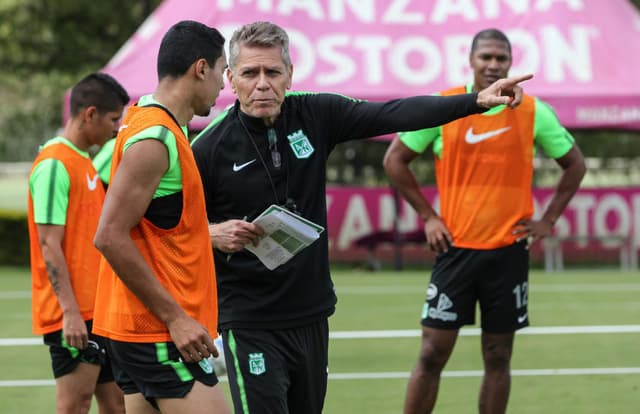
171 181
49 185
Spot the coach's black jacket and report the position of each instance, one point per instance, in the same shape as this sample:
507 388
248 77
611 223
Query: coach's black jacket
233 156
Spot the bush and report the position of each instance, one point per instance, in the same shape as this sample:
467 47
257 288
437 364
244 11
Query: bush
14 239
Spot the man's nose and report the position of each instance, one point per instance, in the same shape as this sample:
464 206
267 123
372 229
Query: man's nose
262 81
494 63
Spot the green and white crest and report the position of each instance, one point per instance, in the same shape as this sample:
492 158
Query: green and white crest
256 363
300 144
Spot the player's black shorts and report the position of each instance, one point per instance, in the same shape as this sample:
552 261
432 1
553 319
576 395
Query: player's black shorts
156 370
278 371
497 279
65 358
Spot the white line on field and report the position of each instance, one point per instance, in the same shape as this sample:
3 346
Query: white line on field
27 383
593 287
542 330
411 333
15 294
401 375
560 288
21 341
515 372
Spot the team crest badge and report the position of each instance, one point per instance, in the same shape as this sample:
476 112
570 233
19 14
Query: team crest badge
256 364
300 144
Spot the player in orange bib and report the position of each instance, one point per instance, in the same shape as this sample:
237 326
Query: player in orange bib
157 302
65 200
484 169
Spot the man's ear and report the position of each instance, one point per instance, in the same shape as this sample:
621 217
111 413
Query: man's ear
230 79
89 113
290 77
200 67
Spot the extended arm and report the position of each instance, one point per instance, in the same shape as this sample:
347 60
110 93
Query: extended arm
129 195
74 329
367 119
396 164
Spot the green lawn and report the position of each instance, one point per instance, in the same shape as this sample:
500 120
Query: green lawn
388 301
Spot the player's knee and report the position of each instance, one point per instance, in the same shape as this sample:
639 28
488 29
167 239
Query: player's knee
78 403
433 358
111 406
110 398
497 358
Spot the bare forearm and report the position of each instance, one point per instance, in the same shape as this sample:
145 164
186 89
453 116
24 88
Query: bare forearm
410 190
567 187
59 278
405 182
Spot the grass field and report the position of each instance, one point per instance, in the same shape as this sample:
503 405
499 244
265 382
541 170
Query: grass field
581 356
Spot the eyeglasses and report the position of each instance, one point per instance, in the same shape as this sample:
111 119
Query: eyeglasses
276 159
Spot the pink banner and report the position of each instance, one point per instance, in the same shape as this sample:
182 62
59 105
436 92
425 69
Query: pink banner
595 218
581 52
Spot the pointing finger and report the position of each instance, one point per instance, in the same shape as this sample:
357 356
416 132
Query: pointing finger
514 80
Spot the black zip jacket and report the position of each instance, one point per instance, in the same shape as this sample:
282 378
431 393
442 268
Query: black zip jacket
241 178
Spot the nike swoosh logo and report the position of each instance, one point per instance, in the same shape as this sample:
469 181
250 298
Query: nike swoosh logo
237 167
522 318
92 182
472 138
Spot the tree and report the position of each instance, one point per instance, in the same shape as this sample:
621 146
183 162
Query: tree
46 46
69 36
